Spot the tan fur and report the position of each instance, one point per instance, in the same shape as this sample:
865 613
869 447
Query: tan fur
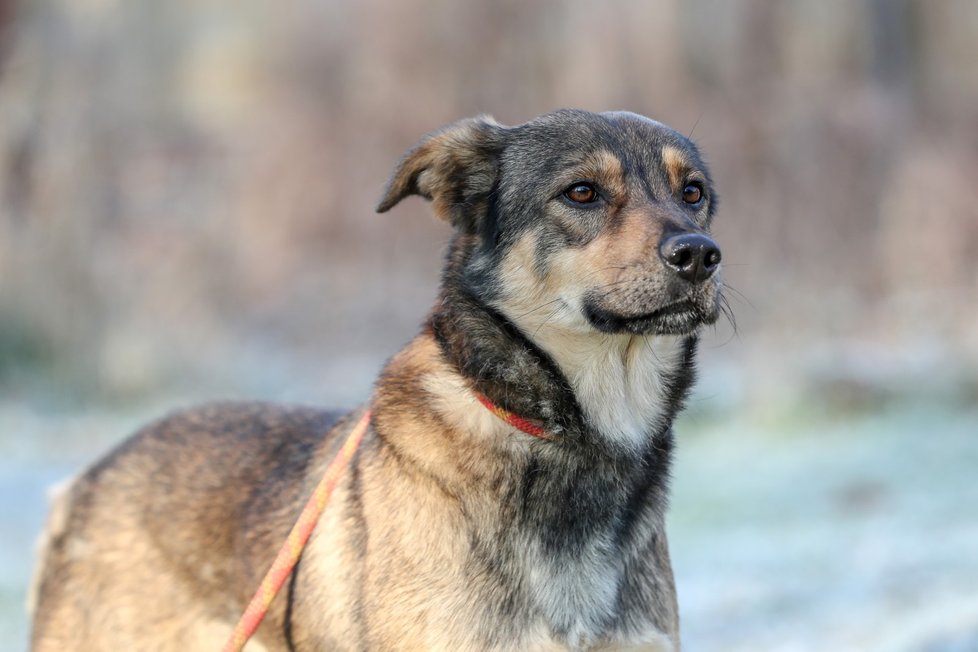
603 167
677 166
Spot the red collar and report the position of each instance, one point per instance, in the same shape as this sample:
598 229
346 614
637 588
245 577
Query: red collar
514 420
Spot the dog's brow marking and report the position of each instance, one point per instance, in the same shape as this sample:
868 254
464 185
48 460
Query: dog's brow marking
676 164
600 166
610 171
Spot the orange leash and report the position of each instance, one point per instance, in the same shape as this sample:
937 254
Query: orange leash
288 555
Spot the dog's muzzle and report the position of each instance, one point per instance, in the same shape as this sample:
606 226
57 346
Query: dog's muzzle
684 295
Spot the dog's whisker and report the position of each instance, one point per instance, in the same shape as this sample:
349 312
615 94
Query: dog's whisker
616 285
648 345
553 313
728 314
586 278
695 124
540 307
740 296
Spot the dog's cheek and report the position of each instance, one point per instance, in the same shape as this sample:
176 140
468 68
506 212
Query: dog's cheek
575 228
559 262
523 280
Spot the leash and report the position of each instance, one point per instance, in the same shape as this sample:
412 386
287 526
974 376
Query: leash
288 555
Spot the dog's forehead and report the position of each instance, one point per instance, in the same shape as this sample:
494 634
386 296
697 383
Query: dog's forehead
566 135
640 127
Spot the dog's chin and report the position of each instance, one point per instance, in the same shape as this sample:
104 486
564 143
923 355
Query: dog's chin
679 318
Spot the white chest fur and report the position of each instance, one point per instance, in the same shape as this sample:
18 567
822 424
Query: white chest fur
620 383
619 380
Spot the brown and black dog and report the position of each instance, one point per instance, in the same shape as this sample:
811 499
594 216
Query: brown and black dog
578 275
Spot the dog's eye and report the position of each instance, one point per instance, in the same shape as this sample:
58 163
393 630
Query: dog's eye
693 193
581 193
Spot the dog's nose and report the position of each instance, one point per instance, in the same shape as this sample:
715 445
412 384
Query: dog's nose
693 256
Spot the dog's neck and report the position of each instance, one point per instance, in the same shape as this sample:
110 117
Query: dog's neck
505 366
615 391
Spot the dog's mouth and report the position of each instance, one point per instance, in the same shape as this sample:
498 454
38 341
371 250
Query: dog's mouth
677 318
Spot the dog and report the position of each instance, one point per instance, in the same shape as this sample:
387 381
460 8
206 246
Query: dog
511 490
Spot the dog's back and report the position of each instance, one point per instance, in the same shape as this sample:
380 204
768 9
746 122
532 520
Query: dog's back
151 537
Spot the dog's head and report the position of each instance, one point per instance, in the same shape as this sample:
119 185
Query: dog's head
575 220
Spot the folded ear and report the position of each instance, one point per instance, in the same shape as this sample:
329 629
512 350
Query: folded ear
454 167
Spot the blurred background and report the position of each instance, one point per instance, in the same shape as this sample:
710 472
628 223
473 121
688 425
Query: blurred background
186 214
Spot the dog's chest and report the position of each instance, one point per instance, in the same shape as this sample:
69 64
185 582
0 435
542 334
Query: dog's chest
581 609
575 598
573 552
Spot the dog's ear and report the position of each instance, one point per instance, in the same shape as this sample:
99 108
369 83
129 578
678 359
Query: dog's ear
455 167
